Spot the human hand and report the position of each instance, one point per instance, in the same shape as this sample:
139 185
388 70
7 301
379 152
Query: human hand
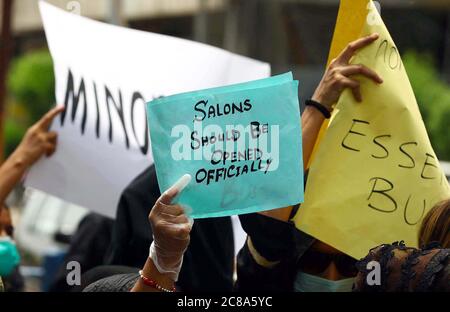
337 76
171 228
38 140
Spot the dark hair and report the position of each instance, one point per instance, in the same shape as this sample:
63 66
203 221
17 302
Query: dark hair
404 269
436 225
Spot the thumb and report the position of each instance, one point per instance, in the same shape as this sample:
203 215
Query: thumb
167 197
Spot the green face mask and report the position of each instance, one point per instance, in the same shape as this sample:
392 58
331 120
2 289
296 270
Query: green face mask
311 283
9 256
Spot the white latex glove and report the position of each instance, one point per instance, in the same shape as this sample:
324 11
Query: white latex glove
171 228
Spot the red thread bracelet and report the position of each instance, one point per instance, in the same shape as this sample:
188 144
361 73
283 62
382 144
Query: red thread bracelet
154 284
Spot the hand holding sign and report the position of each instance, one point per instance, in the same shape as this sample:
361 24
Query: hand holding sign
375 174
338 75
171 228
38 140
334 81
104 126
240 143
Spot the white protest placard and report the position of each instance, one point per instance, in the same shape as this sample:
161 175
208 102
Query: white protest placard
104 76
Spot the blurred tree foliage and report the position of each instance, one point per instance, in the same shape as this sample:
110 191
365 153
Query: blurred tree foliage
32 83
433 97
31 86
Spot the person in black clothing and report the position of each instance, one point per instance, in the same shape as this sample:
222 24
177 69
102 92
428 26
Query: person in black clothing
275 251
87 246
277 256
208 261
129 238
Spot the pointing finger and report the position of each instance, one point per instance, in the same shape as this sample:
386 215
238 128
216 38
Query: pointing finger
45 122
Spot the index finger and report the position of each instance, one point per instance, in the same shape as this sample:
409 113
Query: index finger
354 46
46 121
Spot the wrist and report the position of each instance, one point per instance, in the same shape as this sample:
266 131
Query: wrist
169 264
319 108
148 281
18 160
311 111
322 100
150 272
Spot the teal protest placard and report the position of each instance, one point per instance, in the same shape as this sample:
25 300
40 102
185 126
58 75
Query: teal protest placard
241 144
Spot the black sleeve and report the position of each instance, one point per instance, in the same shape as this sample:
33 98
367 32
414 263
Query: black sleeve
275 241
132 234
208 263
209 260
88 246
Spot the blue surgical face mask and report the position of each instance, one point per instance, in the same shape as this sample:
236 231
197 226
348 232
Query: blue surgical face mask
9 256
310 283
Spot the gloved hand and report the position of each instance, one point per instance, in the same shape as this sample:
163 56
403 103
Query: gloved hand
171 228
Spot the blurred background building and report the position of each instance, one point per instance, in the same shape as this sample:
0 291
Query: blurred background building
291 35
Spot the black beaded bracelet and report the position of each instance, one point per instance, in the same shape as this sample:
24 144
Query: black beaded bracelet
325 112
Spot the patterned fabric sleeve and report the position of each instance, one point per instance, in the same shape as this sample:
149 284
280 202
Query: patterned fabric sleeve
405 269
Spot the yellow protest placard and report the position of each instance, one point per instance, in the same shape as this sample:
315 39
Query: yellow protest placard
375 174
350 20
